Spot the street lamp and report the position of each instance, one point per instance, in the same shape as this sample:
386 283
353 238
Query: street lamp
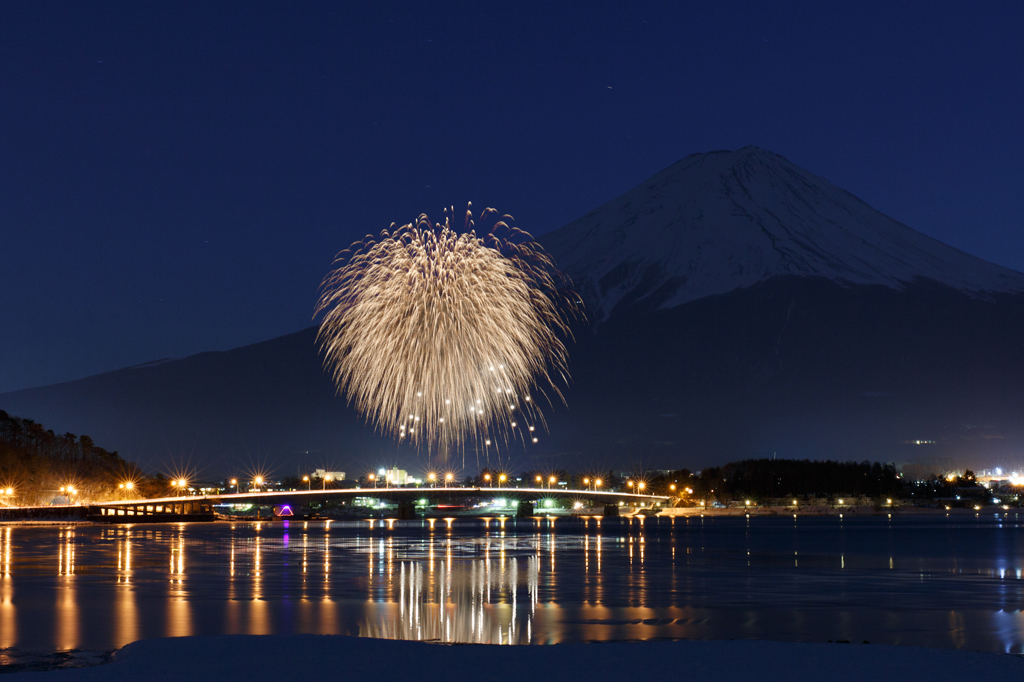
309 483
597 483
639 486
586 482
501 479
327 479
257 482
538 479
487 477
448 478
551 482
372 479
432 477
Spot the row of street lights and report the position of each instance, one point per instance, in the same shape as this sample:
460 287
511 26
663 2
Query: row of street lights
432 477
309 482
180 484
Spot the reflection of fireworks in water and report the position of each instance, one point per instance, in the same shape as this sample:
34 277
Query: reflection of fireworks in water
483 609
438 336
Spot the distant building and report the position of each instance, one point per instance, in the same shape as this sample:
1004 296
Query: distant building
395 476
329 475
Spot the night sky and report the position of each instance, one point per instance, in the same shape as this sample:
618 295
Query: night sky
177 177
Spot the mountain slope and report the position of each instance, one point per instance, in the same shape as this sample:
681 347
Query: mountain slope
720 221
739 306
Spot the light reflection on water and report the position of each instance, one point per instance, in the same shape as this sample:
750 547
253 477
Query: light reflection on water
946 582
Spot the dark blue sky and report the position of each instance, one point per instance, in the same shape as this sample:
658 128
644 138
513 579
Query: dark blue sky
176 177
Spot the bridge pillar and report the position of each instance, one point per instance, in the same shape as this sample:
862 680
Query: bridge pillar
611 510
406 510
525 509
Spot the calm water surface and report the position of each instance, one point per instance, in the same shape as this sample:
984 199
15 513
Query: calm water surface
942 582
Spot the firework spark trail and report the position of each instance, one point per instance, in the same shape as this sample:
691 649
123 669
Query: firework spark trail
439 337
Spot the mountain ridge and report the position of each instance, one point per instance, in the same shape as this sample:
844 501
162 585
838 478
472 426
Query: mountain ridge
742 350
717 221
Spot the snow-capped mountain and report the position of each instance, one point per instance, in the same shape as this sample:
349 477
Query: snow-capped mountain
720 221
741 307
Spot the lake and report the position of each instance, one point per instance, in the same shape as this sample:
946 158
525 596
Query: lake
952 582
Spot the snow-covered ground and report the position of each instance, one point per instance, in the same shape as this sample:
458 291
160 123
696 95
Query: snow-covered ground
720 221
312 657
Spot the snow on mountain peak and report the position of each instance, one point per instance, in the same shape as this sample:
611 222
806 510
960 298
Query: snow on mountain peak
719 221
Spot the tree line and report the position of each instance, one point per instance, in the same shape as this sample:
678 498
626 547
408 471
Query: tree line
36 462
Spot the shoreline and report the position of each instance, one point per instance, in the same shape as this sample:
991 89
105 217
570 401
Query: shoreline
627 513
815 510
298 657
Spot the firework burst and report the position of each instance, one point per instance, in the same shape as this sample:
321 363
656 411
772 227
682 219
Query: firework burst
443 338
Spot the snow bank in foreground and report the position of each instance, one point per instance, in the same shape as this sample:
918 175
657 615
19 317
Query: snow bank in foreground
310 657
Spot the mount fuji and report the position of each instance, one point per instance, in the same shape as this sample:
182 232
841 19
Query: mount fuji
716 222
737 306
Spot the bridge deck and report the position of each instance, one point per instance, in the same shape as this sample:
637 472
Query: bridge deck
298 496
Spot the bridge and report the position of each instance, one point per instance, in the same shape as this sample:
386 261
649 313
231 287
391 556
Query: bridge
200 507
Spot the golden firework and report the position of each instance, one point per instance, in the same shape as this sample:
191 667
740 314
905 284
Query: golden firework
442 337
